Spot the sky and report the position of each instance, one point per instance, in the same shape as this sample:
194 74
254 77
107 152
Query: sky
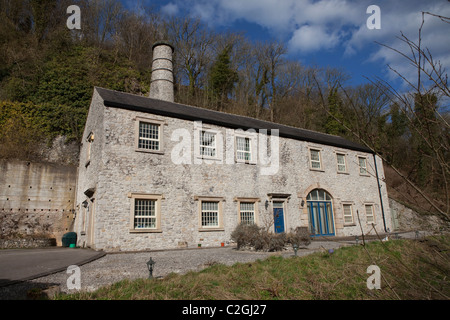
329 32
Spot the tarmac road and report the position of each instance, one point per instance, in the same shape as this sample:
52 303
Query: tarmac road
25 264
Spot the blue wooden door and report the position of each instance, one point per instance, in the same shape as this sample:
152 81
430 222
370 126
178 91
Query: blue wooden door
278 217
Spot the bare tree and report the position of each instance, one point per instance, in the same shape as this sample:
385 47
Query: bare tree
100 19
271 58
431 130
194 52
136 34
421 105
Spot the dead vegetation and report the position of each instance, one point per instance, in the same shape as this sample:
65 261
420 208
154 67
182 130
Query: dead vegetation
410 270
253 237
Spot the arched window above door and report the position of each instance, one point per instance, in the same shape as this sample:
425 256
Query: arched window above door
318 195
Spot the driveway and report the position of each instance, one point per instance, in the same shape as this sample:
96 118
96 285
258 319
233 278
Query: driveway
18 265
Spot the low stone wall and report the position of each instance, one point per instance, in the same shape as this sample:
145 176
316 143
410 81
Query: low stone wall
26 243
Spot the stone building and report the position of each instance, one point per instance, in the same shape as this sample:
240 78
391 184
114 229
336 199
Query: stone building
155 174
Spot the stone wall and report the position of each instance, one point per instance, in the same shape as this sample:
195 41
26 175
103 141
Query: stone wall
117 170
26 243
36 199
408 219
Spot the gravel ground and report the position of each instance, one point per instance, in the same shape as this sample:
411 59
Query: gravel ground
119 266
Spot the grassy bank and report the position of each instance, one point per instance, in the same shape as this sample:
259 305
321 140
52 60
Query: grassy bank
410 269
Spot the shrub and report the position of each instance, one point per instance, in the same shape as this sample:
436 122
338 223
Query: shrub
246 235
252 237
300 237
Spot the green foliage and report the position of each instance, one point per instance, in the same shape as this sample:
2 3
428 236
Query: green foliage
41 10
335 118
20 134
395 132
222 76
56 96
426 136
24 127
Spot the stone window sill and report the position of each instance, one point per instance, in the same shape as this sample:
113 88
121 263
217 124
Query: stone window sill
145 231
149 151
210 229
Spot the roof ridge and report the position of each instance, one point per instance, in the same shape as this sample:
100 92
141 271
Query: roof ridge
127 100
223 112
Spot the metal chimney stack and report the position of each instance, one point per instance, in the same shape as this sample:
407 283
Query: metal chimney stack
161 86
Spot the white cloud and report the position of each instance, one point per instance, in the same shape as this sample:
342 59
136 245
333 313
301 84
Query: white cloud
312 38
309 26
434 37
170 9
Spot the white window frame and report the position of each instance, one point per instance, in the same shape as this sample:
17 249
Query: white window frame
352 222
205 146
252 137
219 201
157 198
160 124
363 171
370 218
340 164
199 127
320 161
245 153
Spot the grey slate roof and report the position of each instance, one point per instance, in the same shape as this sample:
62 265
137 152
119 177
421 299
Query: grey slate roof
133 102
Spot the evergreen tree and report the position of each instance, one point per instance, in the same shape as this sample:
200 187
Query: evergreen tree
335 118
222 77
425 135
395 144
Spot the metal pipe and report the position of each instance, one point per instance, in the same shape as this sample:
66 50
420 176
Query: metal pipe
379 192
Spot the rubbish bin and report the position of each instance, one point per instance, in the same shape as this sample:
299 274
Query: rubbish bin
69 239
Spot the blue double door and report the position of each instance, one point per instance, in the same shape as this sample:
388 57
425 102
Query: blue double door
321 221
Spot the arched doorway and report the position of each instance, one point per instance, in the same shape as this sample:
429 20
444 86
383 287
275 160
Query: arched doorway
320 213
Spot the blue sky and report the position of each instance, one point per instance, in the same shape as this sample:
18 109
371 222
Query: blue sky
328 32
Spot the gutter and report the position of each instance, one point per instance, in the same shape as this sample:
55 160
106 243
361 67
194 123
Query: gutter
379 192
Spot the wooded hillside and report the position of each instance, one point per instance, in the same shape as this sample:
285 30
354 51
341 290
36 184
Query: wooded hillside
47 75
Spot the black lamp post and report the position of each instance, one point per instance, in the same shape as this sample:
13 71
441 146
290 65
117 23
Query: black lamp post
150 264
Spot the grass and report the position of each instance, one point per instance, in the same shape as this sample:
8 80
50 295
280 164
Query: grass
410 269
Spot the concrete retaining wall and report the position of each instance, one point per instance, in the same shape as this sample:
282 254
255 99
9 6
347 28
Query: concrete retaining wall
36 199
